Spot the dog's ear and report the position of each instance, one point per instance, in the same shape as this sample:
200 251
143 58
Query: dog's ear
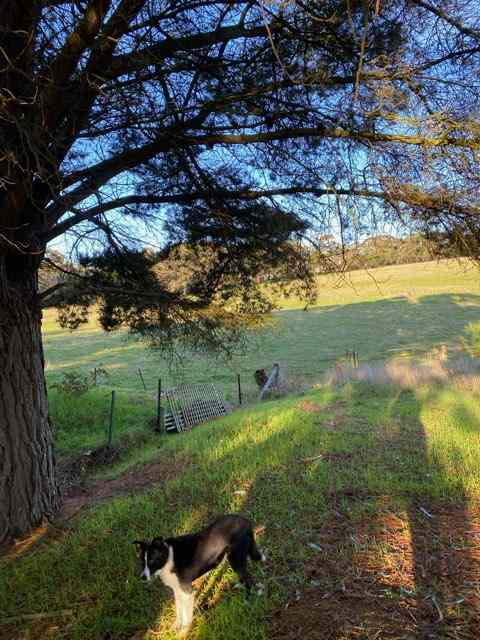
140 546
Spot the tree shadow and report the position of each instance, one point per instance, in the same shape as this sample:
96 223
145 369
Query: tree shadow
339 481
399 558
307 343
377 330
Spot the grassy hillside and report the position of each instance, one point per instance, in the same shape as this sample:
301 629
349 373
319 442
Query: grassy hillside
338 478
370 494
388 312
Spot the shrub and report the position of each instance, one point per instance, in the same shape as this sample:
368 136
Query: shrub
75 383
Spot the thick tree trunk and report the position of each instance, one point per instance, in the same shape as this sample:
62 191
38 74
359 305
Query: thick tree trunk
28 490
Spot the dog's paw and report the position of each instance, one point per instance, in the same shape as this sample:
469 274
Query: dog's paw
181 630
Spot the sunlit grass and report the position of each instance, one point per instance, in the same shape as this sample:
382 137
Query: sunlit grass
287 464
82 421
280 463
451 419
389 312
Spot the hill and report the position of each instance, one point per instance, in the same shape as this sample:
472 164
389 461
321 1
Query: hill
388 312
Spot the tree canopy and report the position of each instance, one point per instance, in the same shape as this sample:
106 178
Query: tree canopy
240 124
233 130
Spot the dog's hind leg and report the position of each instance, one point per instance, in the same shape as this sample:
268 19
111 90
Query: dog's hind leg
238 560
254 550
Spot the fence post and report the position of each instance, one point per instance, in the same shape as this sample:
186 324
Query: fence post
141 378
239 389
110 427
159 406
271 382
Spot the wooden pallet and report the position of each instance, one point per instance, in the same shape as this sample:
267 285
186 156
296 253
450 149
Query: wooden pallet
192 404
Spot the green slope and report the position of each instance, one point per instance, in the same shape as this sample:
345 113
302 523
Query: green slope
291 465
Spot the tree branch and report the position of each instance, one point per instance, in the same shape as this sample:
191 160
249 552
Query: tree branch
157 53
174 140
443 15
68 57
431 201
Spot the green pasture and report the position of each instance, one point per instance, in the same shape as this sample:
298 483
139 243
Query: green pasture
291 465
299 466
388 312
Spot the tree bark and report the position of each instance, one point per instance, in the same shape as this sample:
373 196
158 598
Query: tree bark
28 489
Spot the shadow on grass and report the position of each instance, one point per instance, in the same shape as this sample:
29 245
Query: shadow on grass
306 343
91 572
379 329
399 554
337 479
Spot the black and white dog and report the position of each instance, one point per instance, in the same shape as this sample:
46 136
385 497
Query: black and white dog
181 560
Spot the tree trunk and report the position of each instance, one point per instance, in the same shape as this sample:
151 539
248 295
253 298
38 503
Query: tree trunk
28 490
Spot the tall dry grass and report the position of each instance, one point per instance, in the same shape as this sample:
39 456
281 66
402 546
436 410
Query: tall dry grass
460 370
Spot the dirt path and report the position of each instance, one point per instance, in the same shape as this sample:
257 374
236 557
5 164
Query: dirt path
139 478
79 495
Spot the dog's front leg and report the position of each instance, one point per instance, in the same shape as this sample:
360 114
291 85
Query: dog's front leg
178 610
189 606
184 604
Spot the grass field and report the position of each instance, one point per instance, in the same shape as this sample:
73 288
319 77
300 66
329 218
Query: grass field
339 478
369 493
389 312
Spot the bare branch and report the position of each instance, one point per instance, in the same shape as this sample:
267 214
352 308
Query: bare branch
159 52
443 15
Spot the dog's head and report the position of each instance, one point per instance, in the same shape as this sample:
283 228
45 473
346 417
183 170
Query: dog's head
152 555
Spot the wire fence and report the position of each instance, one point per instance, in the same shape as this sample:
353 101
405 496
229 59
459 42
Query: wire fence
237 382
181 396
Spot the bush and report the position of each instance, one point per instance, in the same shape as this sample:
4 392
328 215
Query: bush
75 383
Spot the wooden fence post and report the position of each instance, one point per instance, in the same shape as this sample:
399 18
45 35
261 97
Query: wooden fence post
271 382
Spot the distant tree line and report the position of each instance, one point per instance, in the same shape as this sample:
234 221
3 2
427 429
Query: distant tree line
182 267
378 251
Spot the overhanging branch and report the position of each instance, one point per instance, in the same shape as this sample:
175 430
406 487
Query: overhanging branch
443 15
157 53
429 200
173 140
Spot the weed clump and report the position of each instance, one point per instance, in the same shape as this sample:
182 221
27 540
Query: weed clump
74 383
